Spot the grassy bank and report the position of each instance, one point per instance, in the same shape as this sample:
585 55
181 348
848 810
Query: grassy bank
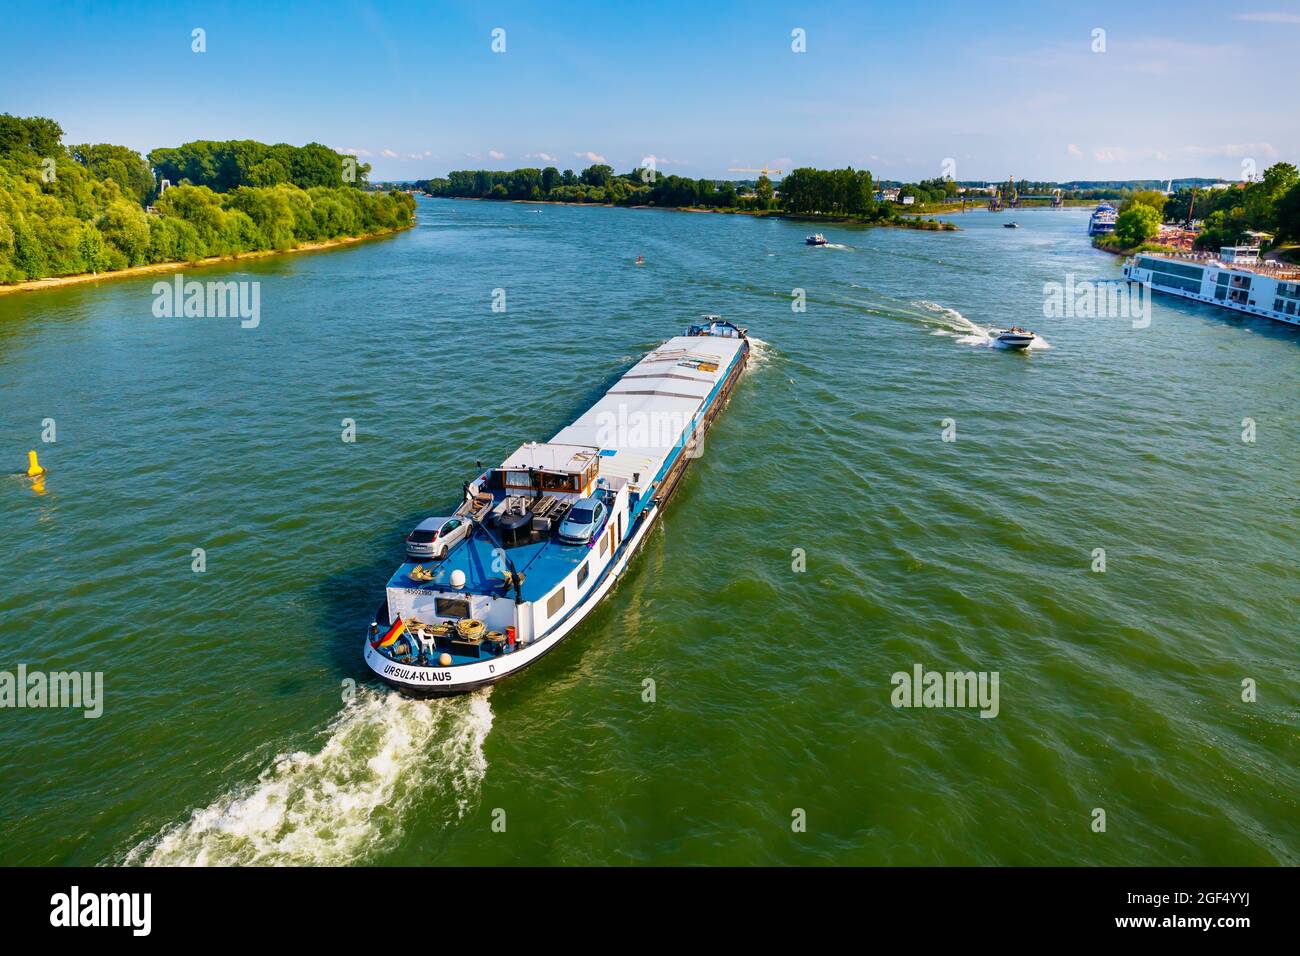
1105 244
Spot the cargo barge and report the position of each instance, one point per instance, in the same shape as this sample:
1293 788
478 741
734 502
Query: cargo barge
553 527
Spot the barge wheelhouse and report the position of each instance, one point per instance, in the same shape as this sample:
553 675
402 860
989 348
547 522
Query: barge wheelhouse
513 587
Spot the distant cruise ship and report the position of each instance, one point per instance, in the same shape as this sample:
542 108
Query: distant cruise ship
1102 220
1237 279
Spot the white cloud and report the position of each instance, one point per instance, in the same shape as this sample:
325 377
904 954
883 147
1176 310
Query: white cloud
1232 150
388 154
544 157
1073 150
1119 154
493 154
353 151
1249 149
1269 17
590 157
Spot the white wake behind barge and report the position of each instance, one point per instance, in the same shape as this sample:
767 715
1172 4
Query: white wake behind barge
555 524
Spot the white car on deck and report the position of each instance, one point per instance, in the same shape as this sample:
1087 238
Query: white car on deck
584 519
433 538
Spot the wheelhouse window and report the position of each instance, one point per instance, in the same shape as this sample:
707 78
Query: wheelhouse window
582 574
451 607
517 479
552 481
555 604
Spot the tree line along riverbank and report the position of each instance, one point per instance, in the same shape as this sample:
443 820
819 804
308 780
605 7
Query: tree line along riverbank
1266 210
816 195
93 209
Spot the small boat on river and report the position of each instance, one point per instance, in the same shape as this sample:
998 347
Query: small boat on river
1012 338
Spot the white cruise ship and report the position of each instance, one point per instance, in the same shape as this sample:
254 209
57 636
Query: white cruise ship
1235 279
1103 219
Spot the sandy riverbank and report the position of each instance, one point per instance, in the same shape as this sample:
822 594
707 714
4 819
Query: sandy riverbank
55 282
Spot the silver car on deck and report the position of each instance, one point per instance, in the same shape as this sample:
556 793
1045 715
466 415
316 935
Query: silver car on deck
433 538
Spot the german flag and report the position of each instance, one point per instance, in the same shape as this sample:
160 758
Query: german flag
393 634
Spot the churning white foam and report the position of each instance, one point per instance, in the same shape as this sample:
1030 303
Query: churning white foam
341 803
760 354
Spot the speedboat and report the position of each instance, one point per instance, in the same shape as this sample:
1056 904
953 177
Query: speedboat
1011 225
816 239
1012 338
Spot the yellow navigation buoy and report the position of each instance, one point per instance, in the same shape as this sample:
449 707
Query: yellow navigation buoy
34 469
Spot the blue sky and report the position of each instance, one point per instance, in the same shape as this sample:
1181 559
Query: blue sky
1181 89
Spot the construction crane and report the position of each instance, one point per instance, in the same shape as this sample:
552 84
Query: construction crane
762 172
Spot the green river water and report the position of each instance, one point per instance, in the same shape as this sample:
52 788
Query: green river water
226 737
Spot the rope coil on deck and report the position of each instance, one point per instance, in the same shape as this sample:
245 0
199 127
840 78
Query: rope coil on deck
468 629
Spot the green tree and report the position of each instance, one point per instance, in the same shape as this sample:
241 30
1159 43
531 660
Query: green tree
226 165
126 229
124 166
37 134
1136 225
1261 200
1146 197
1288 216
597 175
